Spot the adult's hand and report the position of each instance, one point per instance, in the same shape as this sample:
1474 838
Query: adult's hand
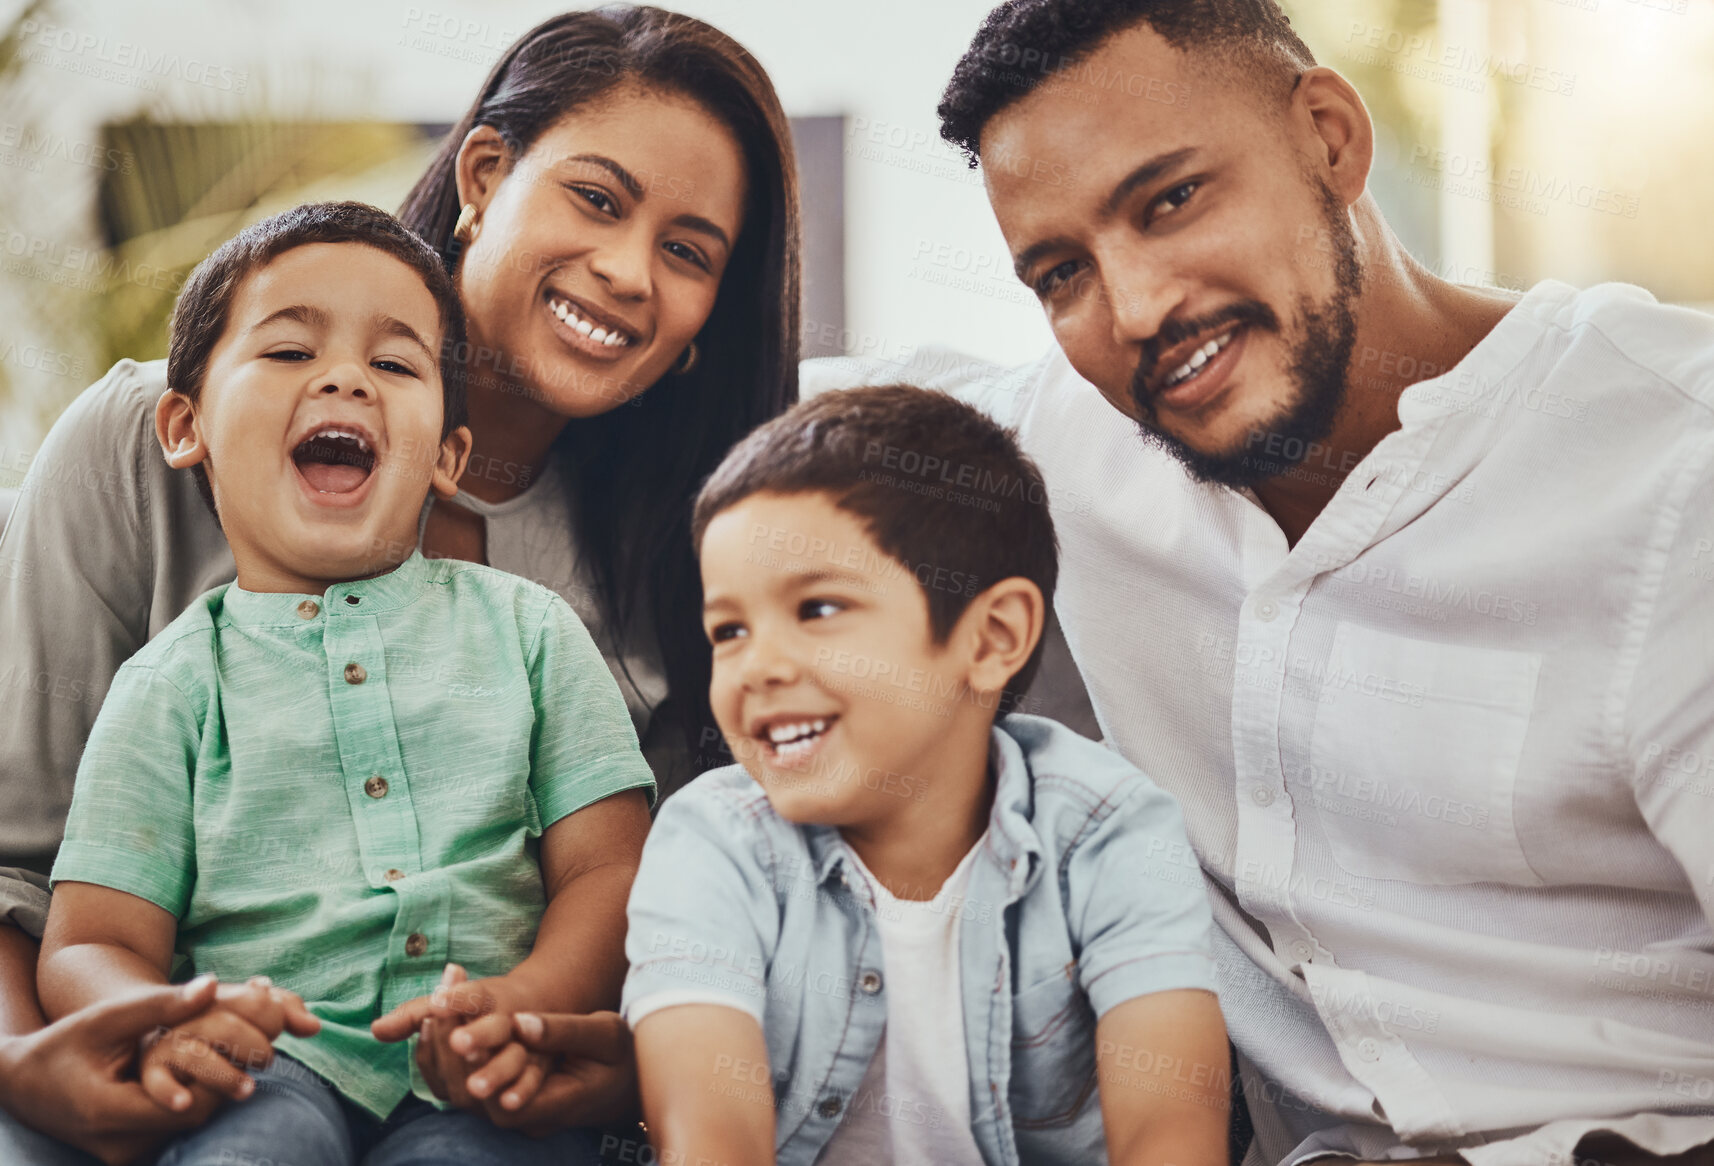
593 1076
72 1080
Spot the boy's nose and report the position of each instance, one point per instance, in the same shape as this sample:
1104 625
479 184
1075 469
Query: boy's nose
765 665
346 378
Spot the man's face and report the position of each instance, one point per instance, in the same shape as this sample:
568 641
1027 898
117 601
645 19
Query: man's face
1192 265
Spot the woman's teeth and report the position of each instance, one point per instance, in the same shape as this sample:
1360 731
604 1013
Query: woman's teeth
613 339
1197 359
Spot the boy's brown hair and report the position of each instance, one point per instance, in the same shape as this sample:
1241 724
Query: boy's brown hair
200 315
939 487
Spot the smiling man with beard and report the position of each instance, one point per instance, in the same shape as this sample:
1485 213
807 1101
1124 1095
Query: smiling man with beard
1404 589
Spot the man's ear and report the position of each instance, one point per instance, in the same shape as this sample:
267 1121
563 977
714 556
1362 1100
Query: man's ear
1006 621
1341 122
177 430
449 466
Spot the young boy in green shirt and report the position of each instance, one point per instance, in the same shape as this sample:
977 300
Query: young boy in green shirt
438 743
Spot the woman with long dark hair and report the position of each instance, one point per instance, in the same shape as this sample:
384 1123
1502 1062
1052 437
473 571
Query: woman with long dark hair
718 355
619 209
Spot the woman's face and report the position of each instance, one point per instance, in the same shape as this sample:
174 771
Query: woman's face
598 253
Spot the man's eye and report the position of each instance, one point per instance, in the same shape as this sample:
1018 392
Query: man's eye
1056 278
720 633
393 366
819 608
286 354
1175 198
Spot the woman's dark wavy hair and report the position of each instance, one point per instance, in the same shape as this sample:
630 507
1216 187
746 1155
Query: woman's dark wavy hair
633 472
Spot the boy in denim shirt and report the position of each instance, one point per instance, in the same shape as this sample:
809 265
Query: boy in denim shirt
353 766
901 929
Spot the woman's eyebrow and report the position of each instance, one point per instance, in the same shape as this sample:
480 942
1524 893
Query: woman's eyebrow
626 179
706 227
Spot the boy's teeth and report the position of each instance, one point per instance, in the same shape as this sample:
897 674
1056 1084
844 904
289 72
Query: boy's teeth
784 734
611 338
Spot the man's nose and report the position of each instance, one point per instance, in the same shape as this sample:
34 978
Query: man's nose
1141 293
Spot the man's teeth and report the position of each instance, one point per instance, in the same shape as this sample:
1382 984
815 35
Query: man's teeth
564 311
1197 359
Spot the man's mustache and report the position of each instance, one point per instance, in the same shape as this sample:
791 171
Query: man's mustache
1249 313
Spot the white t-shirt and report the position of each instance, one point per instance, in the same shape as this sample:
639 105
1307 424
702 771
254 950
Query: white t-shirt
913 1105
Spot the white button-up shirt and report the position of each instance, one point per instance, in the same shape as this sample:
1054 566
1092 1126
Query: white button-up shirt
1448 763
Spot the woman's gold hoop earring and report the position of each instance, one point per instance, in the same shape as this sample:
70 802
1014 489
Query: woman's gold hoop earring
686 360
465 229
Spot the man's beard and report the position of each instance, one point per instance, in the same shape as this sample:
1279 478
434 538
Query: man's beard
1320 363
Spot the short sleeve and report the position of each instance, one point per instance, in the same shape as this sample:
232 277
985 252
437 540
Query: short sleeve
703 920
584 746
132 823
75 580
1137 906
1670 720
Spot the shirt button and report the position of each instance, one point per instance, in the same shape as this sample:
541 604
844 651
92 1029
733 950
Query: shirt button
1302 952
376 787
393 876
354 673
1368 1049
354 600
416 943
1266 610
871 982
309 609
1262 796
829 1107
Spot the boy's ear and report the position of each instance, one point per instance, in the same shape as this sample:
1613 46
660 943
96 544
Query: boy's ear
177 430
449 466
1007 620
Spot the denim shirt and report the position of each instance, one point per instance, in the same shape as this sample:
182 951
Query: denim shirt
1085 894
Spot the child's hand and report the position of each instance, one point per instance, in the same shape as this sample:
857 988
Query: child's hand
466 1050
204 1058
272 1010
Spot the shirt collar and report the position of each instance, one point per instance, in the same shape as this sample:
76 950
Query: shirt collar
380 593
1015 845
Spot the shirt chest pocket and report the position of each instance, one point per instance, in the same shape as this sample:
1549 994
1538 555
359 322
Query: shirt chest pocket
1414 758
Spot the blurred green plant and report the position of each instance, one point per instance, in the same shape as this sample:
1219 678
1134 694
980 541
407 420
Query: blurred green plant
193 186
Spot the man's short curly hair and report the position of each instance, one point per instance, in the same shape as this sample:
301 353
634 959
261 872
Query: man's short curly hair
1024 43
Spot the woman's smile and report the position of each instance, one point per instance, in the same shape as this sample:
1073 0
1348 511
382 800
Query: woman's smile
587 331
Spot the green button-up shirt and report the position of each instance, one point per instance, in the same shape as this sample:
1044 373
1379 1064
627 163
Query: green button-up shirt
344 791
